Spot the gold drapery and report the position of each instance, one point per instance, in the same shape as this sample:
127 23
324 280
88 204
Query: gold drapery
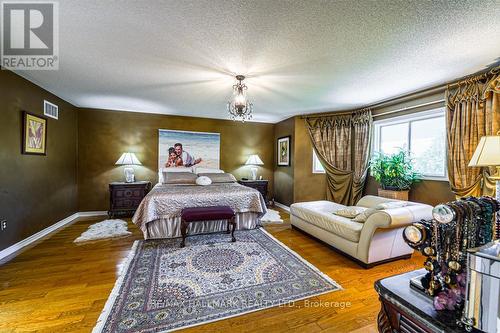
342 144
472 111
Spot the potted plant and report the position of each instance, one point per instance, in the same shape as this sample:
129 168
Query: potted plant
395 174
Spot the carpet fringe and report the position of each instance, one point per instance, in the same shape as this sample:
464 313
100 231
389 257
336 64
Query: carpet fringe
116 289
115 292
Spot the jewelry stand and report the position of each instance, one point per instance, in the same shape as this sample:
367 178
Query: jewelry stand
456 227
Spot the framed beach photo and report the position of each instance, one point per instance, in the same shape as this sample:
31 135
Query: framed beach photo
188 149
283 151
34 134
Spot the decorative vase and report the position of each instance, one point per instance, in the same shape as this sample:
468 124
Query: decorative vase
392 194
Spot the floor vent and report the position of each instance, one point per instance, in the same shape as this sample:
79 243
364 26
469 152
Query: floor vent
50 110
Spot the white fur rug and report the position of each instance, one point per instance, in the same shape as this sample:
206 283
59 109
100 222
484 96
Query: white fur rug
272 216
103 230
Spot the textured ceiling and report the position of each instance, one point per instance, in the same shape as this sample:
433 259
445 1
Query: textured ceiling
179 57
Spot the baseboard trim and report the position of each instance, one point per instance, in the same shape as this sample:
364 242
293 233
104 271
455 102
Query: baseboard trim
17 247
284 207
92 213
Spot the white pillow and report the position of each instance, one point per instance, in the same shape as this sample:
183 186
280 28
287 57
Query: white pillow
350 211
219 177
203 181
365 215
391 204
198 170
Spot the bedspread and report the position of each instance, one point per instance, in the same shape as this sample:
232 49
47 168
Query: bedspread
167 201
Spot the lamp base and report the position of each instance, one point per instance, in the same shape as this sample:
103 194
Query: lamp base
129 174
254 173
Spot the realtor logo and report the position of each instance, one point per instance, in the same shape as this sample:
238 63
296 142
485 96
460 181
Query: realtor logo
30 35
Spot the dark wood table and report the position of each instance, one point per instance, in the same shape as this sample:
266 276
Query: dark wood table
124 198
407 310
258 184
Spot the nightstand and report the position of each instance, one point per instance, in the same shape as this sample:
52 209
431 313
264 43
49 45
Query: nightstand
259 185
124 198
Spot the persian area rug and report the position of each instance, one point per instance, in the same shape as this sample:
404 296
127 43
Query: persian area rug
271 217
103 230
164 288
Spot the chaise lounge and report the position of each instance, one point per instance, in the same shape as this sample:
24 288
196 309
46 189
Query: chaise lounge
375 241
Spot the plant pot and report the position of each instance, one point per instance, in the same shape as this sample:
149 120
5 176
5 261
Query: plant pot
390 194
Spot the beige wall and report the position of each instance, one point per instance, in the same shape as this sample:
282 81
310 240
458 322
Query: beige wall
283 175
35 191
104 135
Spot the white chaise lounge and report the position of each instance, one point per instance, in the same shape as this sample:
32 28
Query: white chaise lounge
375 241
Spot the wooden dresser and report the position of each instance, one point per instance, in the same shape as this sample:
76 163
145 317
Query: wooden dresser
406 310
259 184
124 198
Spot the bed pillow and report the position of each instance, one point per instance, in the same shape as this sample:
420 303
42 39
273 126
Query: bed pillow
200 170
179 178
219 177
350 211
203 181
365 215
178 169
391 204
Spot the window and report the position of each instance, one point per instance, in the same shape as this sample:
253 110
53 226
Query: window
424 135
317 167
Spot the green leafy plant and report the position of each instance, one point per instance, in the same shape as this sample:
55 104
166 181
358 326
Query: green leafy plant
394 171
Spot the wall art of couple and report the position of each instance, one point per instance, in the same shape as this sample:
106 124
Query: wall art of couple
186 149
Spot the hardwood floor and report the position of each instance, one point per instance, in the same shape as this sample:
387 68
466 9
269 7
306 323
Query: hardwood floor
58 286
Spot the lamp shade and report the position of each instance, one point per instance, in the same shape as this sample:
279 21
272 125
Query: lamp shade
128 159
487 152
254 160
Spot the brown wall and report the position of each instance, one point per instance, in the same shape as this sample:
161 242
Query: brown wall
308 186
35 191
431 192
83 145
427 191
283 175
103 135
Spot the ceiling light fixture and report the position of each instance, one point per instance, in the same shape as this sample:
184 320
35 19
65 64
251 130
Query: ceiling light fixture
239 107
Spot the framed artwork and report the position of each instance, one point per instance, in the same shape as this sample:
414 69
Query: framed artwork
34 134
284 151
186 149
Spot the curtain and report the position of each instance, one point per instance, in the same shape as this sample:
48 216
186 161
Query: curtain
342 144
472 111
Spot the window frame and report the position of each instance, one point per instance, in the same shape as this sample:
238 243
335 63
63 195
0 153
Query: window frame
315 160
424 115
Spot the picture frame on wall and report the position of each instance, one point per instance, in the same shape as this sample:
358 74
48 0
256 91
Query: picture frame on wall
283 151
34 134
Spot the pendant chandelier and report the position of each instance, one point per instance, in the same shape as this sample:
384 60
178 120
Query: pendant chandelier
239 107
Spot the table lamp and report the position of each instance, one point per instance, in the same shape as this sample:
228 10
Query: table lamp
128 159
488 154
254 160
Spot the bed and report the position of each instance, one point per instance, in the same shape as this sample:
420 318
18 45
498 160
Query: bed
159 214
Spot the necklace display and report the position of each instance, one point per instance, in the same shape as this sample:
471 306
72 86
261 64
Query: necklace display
456 226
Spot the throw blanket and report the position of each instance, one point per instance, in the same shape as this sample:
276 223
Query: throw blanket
167 201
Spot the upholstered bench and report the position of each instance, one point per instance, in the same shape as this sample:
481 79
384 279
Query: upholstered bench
202 214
